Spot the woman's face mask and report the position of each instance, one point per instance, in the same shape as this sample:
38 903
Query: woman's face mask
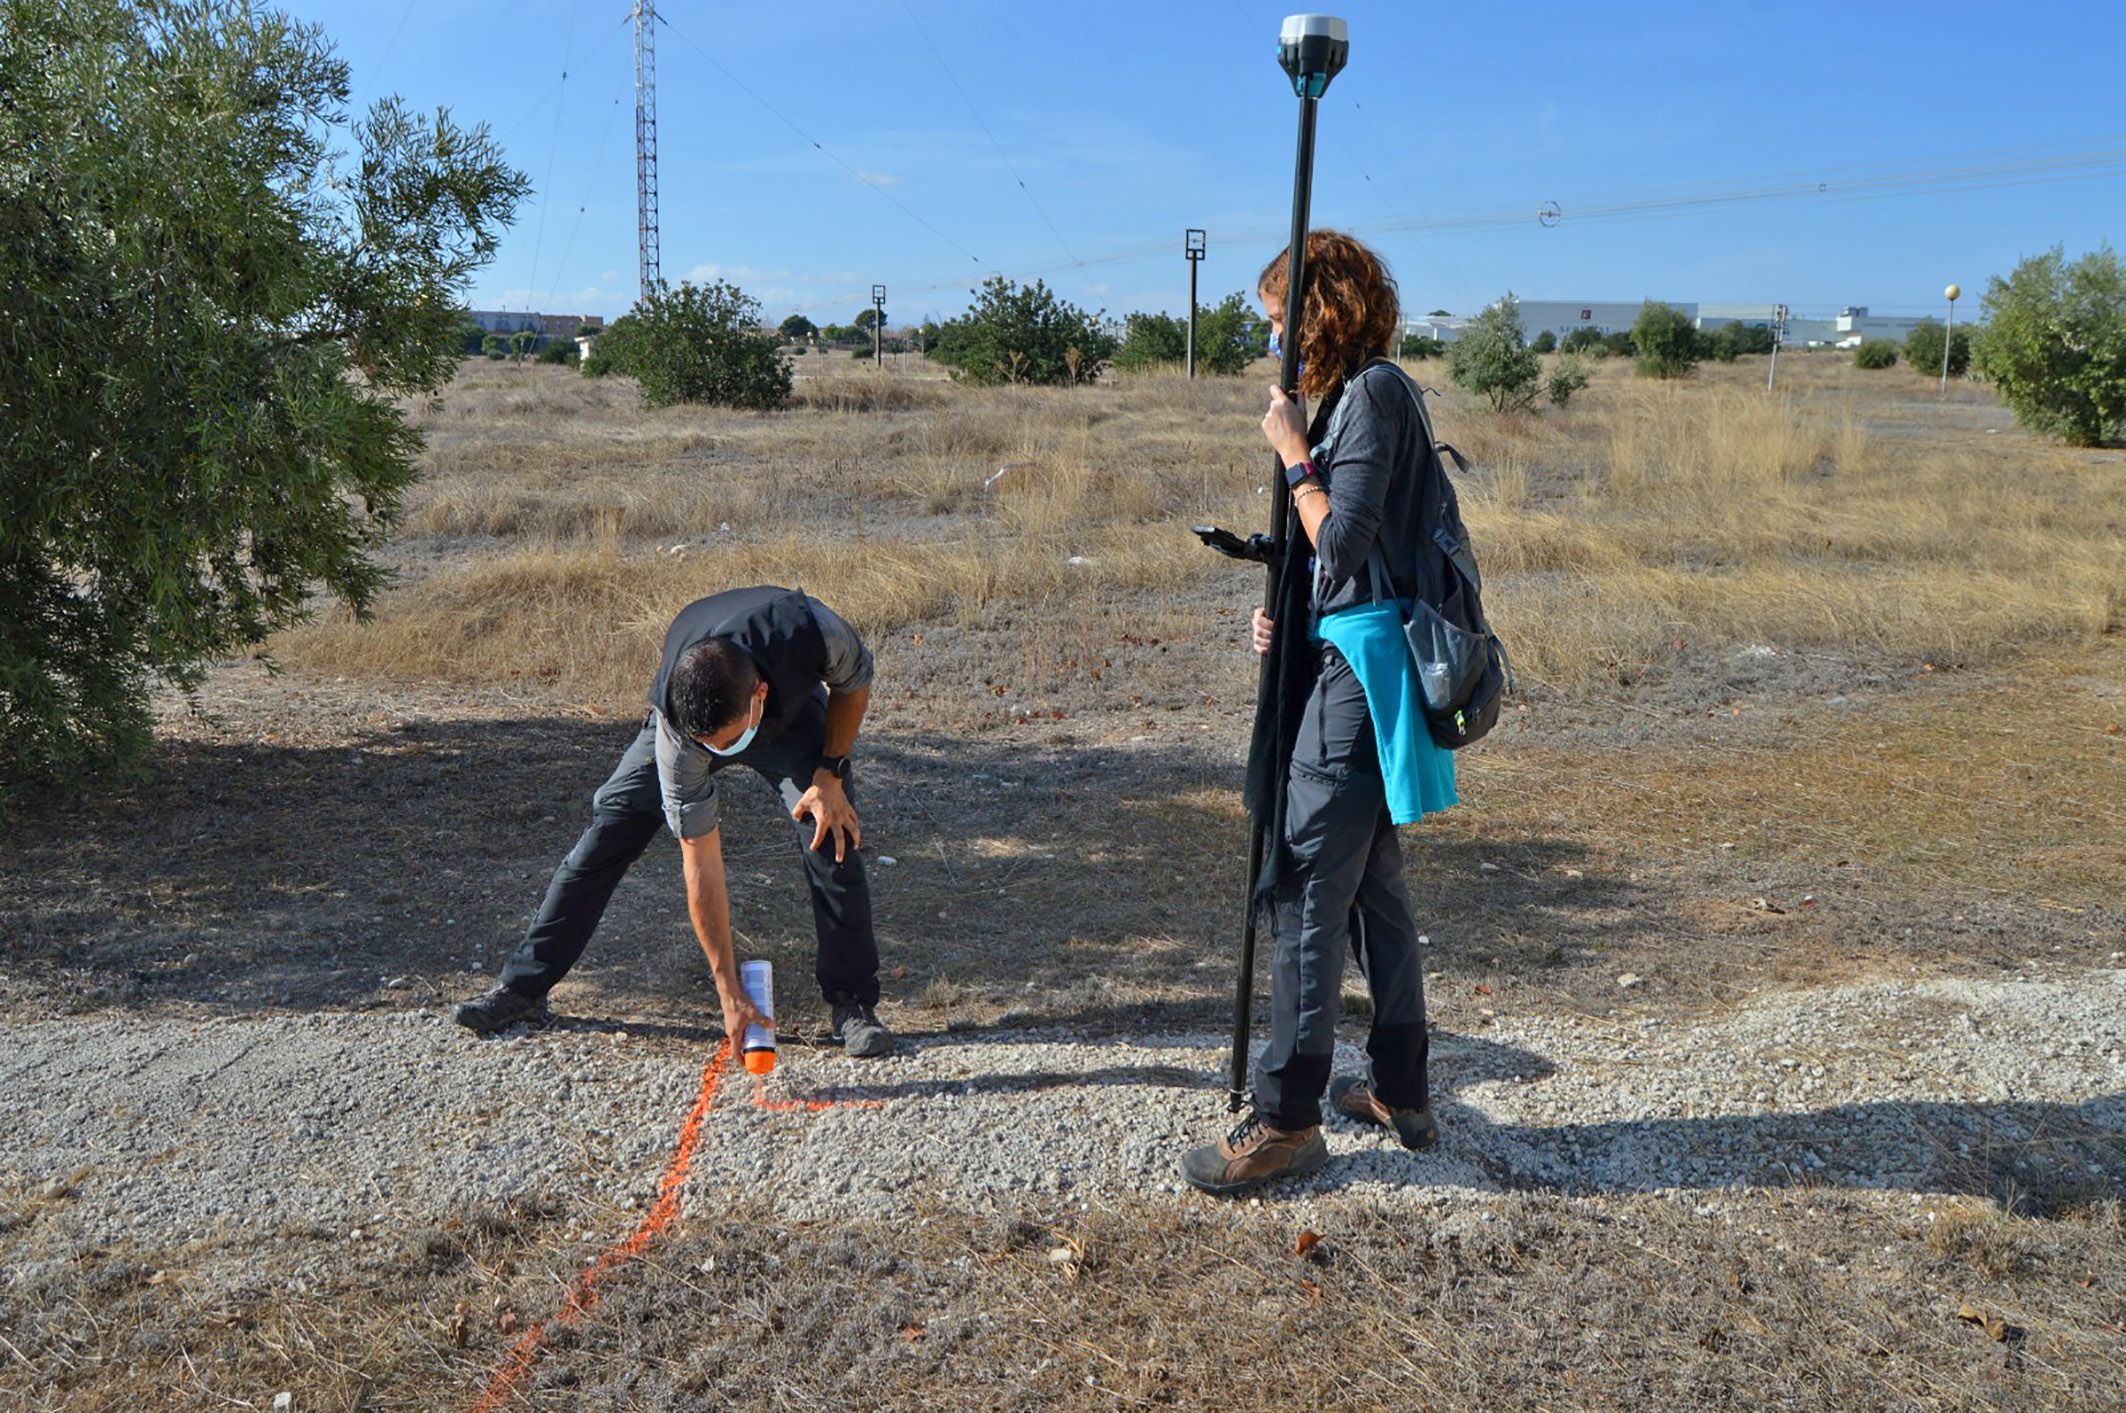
745 738
1277 348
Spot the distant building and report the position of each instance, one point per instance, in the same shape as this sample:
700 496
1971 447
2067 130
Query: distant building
1856 323
1563 316
546 326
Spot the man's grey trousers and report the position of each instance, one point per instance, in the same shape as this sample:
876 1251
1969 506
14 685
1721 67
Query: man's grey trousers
1343 888
628 811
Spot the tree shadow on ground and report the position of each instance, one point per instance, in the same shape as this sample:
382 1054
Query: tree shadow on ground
1045 881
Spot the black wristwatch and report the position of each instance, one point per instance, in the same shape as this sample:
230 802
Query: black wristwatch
1297 474
836 766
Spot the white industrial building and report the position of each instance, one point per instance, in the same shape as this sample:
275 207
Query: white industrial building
1856 323
1563 316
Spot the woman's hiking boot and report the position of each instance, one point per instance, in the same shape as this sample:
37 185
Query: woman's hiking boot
1253 1154
1354 1099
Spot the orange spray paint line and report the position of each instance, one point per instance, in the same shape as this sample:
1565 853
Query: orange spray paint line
582 1294
758 978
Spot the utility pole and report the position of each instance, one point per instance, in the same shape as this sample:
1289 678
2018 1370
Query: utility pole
1192 247
878 326
648 257
1948 336
1778 338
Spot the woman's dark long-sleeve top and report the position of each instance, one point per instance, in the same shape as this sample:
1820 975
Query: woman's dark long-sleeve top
1373 473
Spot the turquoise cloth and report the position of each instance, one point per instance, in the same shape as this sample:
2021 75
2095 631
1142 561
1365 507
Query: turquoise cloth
1419 775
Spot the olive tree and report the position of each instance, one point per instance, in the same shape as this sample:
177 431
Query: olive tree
1492 359
1665 341
219 284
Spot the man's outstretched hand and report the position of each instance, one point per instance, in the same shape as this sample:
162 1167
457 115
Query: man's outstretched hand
827 805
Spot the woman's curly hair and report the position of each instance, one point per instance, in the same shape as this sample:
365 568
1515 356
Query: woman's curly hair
1351 312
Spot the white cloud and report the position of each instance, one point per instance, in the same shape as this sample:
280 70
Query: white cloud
736 274
878 178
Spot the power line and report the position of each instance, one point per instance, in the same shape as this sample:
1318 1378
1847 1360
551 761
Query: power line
541 101
553 148
2007 168
597 164
906 210
1461 280
976 114
391 43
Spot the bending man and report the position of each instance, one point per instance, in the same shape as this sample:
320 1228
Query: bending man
767 678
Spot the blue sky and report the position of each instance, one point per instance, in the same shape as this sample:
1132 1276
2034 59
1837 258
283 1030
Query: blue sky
1127 123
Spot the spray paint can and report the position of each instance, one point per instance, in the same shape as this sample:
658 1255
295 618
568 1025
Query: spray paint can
758 978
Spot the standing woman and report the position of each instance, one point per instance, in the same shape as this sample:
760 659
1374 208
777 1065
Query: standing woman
1361 495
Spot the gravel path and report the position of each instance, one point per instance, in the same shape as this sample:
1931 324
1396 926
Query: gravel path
165 1133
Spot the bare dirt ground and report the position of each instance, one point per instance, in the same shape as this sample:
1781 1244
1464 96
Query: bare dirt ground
1776 952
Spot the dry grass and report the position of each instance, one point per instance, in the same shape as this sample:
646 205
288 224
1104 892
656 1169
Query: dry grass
1713 514
1543 1305
1644 519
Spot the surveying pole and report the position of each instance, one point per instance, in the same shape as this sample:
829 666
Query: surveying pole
1311 49
1778 338
878 326
1192 247
1948 336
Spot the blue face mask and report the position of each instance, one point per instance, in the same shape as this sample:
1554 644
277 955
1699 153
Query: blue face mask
1277 349
743 741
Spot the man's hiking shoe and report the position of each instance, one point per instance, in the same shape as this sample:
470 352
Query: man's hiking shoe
858 1031
1253 1154
500 1009
1354 1099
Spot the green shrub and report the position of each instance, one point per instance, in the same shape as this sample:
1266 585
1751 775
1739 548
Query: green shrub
1875 353
1492 360
222 296
1924 346
614 350
1718 345
2054 344
1567 376
495 346
704 343
561 351
1419 346
1544 342
1583 341
1018 333
1750 338
1620 344
797 326
1666 341
1230 336
1150 341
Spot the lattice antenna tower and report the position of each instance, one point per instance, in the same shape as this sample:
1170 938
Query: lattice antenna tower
648 256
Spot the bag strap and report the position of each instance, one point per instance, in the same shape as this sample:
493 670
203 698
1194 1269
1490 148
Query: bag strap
1377 571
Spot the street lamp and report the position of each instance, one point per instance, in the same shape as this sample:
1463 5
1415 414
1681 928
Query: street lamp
1948 336
878 326
1192 247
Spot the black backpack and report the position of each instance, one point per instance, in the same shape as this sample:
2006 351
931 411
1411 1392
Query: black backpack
1462 671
